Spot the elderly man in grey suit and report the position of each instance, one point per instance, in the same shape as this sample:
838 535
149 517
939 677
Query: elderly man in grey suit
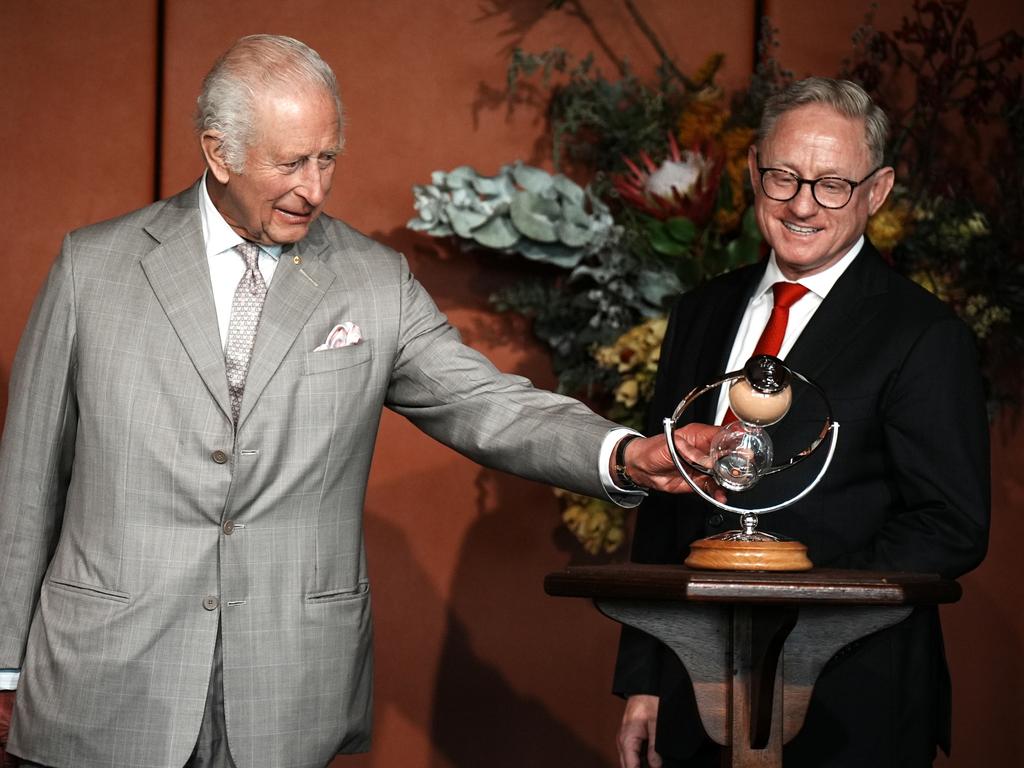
193 411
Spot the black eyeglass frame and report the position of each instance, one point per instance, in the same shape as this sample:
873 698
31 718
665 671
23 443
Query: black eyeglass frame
800 181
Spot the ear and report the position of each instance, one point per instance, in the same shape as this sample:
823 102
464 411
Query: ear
755 176
212 144
880 188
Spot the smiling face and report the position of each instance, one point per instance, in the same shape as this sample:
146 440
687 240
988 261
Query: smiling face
812 141
289 168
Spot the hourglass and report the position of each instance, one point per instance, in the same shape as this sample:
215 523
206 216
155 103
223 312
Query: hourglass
741 455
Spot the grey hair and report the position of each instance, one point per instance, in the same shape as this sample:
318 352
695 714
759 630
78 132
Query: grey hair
253 65
845 97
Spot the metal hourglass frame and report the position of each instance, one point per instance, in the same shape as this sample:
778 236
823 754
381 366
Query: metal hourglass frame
684 465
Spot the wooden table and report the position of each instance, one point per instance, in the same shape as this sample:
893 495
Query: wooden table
753 644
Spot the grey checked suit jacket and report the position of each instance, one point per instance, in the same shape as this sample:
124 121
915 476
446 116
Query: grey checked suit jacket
115 563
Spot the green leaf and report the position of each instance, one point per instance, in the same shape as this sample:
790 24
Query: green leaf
681 229
662 242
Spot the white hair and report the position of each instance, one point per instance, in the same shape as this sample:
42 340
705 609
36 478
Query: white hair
845 97
254 65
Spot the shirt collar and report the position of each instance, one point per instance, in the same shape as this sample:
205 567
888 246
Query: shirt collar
218 235
819 283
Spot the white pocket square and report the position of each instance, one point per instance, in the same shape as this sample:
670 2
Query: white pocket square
344 335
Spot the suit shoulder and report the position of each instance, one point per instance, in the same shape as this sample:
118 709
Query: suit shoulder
916 298
357 255
910 304
127 231
347 239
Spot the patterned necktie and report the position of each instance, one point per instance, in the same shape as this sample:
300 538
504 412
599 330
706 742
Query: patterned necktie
245 317
786 295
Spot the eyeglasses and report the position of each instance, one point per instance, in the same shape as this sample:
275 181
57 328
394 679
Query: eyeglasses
828 191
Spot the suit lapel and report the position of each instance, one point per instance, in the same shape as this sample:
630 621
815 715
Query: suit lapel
300 282
841 317
179 274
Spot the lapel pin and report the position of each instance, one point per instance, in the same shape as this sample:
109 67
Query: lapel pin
296 259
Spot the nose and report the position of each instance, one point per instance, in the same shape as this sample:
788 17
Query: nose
803 204
315 184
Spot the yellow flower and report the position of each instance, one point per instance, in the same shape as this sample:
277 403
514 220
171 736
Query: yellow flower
598 525
980 316
627 392
889 225
702 121
635 349
735 143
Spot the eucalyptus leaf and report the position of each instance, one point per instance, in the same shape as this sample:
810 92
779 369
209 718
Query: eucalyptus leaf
465 221
532 179
656 287
462 176
559 255
568 189
574 235
432 227
535 216
498 233
491 186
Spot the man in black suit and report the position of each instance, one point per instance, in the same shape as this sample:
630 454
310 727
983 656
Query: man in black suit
908 489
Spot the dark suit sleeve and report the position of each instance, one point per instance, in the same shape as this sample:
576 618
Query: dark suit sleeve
937 446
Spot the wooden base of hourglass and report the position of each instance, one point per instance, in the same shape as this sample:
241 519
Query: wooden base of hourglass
717 553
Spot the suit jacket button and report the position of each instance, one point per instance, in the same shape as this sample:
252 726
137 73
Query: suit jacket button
229 527
716 519
210 603
219 457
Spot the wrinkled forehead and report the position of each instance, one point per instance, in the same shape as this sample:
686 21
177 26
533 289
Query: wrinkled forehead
818 127
307 108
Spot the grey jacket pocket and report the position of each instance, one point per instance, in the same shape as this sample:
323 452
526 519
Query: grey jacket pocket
90 590
357 592
338 359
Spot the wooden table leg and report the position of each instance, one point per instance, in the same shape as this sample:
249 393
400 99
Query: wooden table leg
753 666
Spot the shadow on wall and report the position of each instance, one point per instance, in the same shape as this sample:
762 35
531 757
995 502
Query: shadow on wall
479 716
464 282
471 712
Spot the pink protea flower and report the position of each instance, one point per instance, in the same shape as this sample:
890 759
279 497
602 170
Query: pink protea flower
684 185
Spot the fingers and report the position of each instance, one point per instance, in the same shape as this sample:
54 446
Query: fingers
693 441
629 751
636 733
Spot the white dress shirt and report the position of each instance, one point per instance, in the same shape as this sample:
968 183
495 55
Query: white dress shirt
759 309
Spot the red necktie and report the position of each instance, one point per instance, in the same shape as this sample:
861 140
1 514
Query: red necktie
786 295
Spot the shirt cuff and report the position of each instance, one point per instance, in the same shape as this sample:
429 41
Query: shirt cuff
621 496
9 679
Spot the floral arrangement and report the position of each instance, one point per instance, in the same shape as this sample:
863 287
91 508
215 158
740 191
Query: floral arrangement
666 204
